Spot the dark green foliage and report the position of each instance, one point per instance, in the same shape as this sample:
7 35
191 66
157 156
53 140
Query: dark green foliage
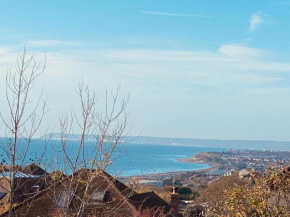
186 193
184 190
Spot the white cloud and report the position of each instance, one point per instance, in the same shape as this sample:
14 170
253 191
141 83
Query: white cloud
253 79
57 43
161 13
231 63
255 21
240 51
195 84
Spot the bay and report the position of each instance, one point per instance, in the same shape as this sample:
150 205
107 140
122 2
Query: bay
146 158
135 159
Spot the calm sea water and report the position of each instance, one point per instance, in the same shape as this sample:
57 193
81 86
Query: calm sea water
136 159
141 158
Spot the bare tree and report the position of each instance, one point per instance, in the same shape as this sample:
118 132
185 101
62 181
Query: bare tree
103 130
98 142
108 129
24 115
84 161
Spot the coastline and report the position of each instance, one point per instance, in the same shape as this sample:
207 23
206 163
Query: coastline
193 160
196 160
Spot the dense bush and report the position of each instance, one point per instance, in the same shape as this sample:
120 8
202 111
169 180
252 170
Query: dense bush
187 193
265 195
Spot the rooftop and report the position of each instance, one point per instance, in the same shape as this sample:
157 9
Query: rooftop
18 175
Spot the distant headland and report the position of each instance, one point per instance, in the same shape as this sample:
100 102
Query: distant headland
232 144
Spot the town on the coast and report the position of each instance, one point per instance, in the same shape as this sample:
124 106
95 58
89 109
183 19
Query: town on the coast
177 193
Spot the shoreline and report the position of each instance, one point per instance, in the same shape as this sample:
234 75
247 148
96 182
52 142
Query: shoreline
196 160
193 160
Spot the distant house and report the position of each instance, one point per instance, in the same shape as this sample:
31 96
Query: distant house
105 196
215 173
183 204
244 173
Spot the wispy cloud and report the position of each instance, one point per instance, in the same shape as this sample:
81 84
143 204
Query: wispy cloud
240 51
162 13
255 21
191 83
58 43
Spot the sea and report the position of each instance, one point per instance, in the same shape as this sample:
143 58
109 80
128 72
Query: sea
130 159
148 158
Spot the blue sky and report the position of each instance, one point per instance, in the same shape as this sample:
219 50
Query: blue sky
199 69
